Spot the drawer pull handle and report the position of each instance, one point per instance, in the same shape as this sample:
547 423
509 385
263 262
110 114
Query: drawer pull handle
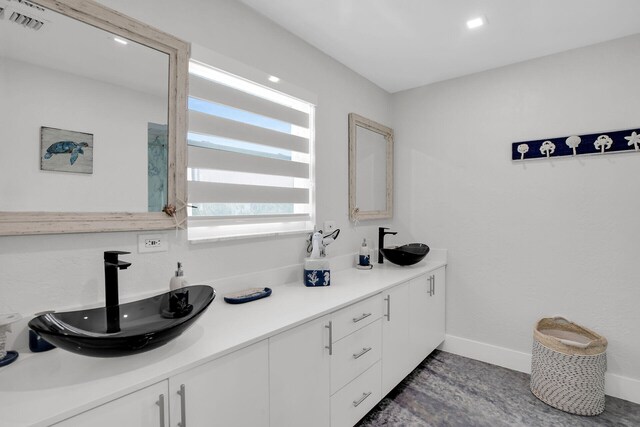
364 351
364 316
330 346
357 403
183 406
160 403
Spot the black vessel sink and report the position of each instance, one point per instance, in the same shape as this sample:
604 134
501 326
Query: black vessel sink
125 329
406 254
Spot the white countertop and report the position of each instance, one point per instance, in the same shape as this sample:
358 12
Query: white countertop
42 388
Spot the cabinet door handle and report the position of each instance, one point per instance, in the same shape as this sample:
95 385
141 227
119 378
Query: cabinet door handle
183 406
433 286
362 353
388 315
330 346
160 403
364 316
357 403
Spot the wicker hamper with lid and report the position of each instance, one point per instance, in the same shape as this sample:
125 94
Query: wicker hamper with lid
568 366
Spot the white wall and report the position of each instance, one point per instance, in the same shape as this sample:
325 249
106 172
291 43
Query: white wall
537 239
45 272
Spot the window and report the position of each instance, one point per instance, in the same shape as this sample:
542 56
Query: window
250 158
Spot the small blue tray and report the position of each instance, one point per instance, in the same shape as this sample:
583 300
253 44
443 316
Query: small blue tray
241 297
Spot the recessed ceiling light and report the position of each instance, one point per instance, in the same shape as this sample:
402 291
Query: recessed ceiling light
475 23
274 79
119 40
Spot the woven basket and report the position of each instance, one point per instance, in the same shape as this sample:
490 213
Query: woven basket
568 366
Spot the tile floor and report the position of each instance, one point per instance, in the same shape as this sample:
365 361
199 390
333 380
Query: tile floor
450 390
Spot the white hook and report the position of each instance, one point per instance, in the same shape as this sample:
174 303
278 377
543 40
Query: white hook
634 139
603 143
573 142
547 148
522 149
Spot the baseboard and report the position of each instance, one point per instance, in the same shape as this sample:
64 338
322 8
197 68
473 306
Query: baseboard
622 387
500 356
615 385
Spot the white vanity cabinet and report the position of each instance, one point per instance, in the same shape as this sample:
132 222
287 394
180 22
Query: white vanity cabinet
144 408
396 363
426 314
357 398
325 372
413 325
299 369
355 361
230 391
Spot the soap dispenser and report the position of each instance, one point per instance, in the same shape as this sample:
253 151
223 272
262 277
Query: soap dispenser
179 296
178 281
363 259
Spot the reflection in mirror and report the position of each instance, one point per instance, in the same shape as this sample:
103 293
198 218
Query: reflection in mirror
370 169
95 136
105 99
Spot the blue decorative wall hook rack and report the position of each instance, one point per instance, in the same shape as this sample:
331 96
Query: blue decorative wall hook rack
577 145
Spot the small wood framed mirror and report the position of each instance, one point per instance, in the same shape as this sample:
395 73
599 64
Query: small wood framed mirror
370 169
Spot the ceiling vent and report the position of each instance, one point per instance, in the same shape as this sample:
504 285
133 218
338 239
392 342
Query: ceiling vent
31 5
26 21
25 13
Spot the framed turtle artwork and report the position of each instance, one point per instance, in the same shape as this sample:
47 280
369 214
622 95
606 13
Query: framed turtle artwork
66 150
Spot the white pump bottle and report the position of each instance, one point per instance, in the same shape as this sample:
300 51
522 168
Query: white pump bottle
178 281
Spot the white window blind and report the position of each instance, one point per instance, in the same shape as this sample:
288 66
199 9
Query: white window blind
250 158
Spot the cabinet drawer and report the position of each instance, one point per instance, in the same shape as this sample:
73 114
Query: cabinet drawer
356 316
354 354
146 407
356 398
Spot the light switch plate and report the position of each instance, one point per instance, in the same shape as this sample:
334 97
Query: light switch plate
152 243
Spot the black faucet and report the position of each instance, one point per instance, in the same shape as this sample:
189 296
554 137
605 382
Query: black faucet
381 234
111 267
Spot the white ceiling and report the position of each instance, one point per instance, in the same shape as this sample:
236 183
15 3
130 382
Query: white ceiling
401 44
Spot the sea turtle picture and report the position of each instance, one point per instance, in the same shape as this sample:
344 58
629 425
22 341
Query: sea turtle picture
66 150
60 147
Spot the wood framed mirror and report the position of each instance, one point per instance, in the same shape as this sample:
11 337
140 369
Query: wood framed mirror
96 120
370 169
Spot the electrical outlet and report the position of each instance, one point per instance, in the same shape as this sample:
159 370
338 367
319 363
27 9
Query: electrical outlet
329 226
152 243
